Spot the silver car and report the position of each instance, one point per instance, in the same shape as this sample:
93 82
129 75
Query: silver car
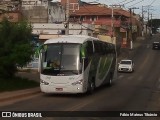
126 66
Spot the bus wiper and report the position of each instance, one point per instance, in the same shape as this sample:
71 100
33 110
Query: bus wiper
74 72
70 71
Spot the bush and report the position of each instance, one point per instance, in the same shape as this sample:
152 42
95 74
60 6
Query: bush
15 46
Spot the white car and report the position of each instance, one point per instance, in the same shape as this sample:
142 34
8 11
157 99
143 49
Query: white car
126 66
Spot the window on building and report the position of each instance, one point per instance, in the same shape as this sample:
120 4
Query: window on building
82 18
49 11
62 32
93 18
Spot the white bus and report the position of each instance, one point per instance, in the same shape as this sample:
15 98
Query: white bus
76 64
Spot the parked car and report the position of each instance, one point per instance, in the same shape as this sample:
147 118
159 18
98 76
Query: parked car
126 66
155 45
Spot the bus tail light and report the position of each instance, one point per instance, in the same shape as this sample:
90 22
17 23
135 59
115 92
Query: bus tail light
78 82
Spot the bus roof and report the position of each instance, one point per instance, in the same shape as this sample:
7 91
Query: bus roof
70 39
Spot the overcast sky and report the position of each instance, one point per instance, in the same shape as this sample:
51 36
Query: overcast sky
154 8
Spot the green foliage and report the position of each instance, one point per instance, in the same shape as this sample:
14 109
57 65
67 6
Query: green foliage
17 83
15 46
154 23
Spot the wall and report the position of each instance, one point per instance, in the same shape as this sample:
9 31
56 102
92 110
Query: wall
36 14
11 16
52 28
28 4
56 13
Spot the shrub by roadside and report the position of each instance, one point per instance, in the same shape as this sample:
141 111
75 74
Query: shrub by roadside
16 83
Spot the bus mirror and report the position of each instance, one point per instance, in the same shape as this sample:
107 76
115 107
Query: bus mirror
43 49
83 52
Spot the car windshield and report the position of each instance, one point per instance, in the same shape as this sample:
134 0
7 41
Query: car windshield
156 43
61 59
125 62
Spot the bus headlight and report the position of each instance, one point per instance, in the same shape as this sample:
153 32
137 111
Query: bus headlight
44 82
78 82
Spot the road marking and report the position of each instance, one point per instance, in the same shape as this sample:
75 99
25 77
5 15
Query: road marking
130 77
144 63
78 106
12 101
148 46
120 76
139 78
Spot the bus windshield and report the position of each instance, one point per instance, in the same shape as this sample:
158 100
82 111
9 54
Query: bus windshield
61 60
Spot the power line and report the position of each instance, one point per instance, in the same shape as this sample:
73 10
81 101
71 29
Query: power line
152 2
122 2
136 3
130 1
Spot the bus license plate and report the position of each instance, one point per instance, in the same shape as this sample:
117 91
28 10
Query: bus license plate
59 89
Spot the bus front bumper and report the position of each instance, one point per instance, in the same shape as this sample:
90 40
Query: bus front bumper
69 89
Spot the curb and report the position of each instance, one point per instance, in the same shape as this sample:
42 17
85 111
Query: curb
13 95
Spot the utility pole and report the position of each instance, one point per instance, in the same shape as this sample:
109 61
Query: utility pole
113 34
112 19
143 19
112 26
150 29
148 14
66 24
151 24
142 22
131 39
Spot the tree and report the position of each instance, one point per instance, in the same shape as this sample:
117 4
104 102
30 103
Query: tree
15 46
155 23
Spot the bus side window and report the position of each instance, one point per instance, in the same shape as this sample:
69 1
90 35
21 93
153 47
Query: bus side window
110 48
102 48
96 46
105 48
89 48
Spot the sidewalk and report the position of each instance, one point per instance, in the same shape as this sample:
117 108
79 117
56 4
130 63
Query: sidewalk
14 95
6 96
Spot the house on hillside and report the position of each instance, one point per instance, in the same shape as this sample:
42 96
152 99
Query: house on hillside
35 11
11 10
100 15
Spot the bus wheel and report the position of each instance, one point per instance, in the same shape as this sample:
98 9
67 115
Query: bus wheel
91 87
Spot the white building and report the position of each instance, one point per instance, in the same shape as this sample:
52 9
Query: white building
51 30
28 4
56 12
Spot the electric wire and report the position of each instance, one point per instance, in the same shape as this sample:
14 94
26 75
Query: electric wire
135 3
152 2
